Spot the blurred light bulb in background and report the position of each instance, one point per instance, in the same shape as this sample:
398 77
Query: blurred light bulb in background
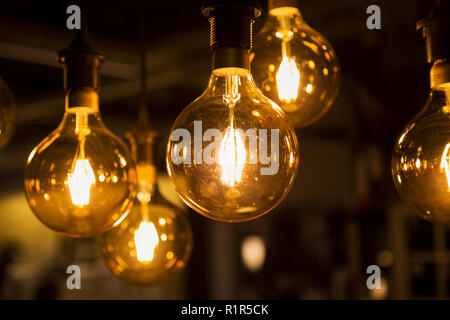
294 65
232 154
80 180
154 242
381 293
7 113
253 253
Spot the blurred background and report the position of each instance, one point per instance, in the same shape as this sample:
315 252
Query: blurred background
343 213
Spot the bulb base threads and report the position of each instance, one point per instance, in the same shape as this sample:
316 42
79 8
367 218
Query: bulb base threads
436 31
231 31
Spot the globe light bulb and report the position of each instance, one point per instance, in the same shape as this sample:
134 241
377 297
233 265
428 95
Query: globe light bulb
232 154
80 180
154 242
420 160
7 114
294 65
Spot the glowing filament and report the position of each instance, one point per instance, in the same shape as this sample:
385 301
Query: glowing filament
445 163
146 239
80 180
232 157
81 176
288 76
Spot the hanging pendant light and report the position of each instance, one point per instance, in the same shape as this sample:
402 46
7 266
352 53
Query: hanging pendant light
154 242
294 65
421 156
80 180
232 153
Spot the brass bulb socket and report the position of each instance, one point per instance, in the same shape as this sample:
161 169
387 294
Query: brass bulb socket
273 4
82 97
439 74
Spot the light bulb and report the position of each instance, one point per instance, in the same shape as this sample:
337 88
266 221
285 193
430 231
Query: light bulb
7 114
294 65
421 159
232 154
253 253
154 242
80 180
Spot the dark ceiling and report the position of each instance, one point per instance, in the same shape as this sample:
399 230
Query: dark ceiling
388 62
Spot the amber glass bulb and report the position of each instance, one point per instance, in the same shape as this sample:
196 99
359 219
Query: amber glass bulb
7 114
421 158
295 66
154 242
232 153
80 180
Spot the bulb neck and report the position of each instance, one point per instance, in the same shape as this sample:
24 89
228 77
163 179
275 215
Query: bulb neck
440 73
147 186
147 174
274 4
229 81
142 142
285 13
230 57
85 97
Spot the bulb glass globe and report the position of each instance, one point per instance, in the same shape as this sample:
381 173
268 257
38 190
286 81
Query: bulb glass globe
80 180
421 159
154 242
295 66
232 153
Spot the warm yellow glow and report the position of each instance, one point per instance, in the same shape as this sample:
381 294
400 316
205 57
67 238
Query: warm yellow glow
253 252
146 239
402 137
232 157
445 163
80 181
418 163
288 80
